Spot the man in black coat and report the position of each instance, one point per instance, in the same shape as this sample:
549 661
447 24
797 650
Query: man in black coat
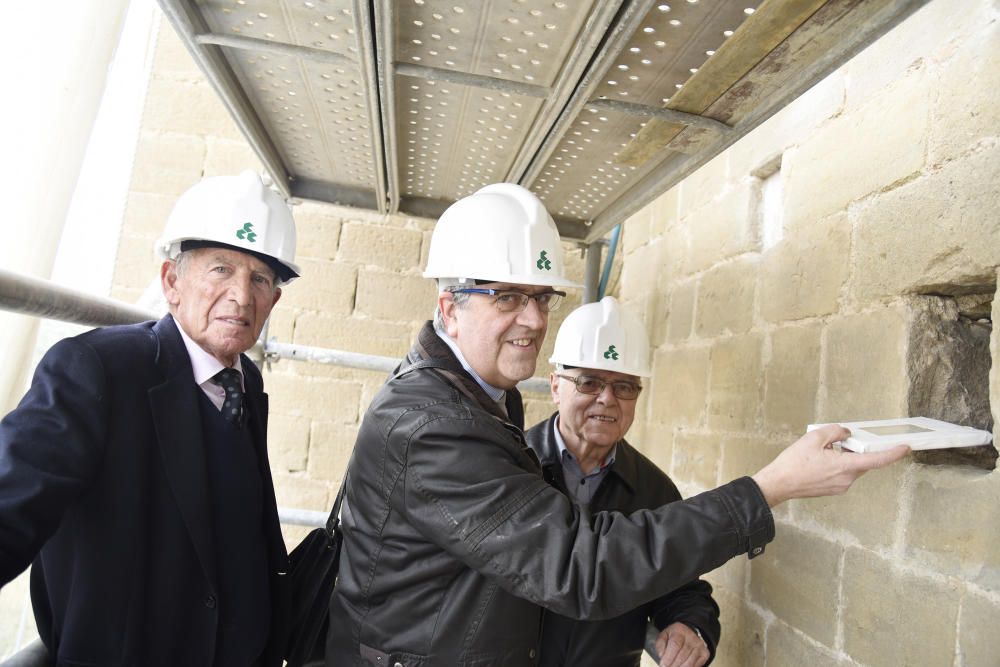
584 454
134 473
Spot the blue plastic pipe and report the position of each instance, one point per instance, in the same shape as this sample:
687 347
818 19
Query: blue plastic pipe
608 261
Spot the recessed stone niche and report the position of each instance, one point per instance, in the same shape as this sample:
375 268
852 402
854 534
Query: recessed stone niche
948 365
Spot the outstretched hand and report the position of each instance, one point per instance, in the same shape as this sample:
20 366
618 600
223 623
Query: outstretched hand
812 467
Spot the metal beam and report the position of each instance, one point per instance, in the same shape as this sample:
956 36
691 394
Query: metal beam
278 48
601 16
669 115
591 271
471 80
365 65
385 57
369 77
291 516
274 351
422 207
43 298
628 21
331 193
33 654
187 23
570 229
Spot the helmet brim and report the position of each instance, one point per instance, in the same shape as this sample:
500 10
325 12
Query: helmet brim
285 273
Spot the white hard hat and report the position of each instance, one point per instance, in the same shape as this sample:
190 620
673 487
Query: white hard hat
502 233
239 212
604 336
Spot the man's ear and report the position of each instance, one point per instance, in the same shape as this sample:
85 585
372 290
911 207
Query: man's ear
554 387
277 295
168 282
446 304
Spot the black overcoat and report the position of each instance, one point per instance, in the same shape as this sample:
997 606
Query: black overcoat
104 489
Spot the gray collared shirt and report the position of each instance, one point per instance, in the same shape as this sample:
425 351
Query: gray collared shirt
580 486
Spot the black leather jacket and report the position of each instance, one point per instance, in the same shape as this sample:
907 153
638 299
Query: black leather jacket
631 483
453 541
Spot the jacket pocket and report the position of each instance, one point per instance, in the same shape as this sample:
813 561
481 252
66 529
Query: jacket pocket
377 658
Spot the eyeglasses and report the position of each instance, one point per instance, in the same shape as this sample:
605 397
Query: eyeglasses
589 384
509 301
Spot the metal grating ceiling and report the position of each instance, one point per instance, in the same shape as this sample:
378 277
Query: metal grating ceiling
596 105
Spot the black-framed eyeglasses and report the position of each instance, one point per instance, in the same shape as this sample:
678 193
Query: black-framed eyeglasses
592 385
509 301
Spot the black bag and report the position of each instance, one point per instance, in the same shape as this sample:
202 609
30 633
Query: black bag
313 572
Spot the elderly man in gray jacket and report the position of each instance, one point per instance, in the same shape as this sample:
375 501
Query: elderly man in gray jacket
453 541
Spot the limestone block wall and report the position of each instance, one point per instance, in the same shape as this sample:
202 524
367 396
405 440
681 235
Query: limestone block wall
890 174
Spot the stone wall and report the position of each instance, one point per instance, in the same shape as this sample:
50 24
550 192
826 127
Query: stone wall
890 169
891 178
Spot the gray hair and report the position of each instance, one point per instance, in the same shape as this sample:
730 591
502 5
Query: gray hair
460 299
182 260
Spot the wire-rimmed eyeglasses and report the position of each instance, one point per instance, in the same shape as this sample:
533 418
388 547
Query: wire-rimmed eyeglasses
593 385
508 301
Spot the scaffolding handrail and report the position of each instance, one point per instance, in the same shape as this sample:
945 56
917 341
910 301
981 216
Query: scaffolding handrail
274 350
29 295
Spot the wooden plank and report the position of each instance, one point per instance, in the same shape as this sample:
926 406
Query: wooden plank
760 34
829 39
821 38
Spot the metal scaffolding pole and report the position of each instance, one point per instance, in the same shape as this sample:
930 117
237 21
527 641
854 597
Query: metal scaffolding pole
275 351
43 298
592 271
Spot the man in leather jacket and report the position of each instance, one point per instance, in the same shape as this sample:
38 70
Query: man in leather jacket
453 541
584 454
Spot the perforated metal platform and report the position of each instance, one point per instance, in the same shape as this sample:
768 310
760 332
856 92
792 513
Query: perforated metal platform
597 106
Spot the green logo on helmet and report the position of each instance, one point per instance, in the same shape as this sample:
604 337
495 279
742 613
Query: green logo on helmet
247 232
611 353
543 262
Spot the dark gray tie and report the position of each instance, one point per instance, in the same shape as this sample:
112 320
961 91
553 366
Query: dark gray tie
232 407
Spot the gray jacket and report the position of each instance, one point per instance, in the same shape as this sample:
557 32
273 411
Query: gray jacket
453 541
